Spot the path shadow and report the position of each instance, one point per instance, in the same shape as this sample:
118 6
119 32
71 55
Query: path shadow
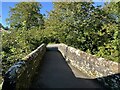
54 72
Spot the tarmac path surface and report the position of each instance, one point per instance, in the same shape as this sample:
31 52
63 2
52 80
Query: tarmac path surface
55 72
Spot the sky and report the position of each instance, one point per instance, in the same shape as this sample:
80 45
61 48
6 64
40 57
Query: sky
46 6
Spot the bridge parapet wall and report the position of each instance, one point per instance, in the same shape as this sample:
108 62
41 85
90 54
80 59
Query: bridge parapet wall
20 75
105 71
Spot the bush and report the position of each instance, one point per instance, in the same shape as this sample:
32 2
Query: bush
18 44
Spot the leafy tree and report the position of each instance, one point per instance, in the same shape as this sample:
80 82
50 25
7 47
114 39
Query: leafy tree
17 44
91 29
26 15
62 18
111 48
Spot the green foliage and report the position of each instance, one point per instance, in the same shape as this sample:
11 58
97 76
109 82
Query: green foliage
18 44
92 29
26 15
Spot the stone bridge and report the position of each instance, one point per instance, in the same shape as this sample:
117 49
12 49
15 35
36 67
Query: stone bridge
62 66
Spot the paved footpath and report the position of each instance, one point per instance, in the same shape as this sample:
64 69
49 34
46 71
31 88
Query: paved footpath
56 73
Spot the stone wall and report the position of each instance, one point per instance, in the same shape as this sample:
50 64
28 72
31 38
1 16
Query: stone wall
21 74
105 71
